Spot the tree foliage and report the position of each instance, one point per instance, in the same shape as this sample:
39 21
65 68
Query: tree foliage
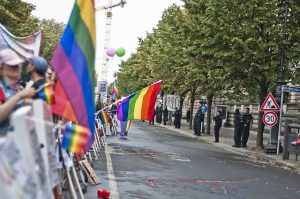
16 16
230 48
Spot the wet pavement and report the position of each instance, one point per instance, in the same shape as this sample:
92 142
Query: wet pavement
155 162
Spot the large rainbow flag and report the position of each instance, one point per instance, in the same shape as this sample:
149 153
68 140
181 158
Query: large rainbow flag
139 105
74 61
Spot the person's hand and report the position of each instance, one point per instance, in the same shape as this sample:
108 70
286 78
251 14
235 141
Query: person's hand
27 92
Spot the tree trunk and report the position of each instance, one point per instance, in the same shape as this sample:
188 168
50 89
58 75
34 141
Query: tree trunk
193 93
208 118
260 132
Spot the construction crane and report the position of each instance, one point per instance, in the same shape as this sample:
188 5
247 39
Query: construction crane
108 8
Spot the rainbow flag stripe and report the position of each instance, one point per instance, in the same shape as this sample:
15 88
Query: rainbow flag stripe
115 92
125 125
104 118
76 138
74 62
46 93
140 105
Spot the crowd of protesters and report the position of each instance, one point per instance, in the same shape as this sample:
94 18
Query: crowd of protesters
13 93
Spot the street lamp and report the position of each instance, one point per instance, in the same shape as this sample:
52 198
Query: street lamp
275 132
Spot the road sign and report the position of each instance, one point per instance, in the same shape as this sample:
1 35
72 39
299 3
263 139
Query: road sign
287 88
270 118
270 104
203 109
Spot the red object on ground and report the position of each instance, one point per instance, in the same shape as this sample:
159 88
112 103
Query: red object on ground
102 193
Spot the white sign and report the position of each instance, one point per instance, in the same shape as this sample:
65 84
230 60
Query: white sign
46 137
172 101
16 176
270 104
25 137
270 118
103 90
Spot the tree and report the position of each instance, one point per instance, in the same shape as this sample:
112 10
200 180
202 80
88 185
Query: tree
52 32
246 36
16 16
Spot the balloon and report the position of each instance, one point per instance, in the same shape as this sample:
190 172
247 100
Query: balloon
120 52
111 52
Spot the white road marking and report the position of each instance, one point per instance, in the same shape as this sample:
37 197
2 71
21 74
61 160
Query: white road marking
111 175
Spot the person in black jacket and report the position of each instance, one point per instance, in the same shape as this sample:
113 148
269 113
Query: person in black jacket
218 123
247 123
238 128
197 122
165 115
158 114
177 118
188 115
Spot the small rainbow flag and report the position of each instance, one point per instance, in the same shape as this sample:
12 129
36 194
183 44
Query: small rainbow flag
125 125
46 93
76 138
115 92
104 118
139 105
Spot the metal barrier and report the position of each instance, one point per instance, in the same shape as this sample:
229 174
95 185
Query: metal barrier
290 136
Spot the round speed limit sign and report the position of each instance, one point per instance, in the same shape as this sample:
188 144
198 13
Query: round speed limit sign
270 118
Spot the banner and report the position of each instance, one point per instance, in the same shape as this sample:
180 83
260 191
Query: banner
25 46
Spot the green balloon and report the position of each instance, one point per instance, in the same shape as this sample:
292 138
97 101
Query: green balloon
120 52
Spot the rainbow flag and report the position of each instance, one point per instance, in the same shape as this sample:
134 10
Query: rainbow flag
76 138
139 105
62 106
125 125
115 92
74 63
46 93
104 118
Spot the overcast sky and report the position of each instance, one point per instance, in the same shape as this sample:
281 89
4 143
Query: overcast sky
128 23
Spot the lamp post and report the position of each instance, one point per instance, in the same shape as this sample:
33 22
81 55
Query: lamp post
275 132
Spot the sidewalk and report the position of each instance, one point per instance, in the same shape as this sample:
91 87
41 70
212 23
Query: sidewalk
226 142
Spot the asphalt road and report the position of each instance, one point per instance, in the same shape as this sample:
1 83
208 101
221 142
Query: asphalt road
158 163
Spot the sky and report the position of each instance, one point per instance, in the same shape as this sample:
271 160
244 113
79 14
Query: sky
128 24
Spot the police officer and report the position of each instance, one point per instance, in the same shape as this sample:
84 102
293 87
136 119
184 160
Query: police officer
238 128
218 123
197 122
165 115
247 124
177 118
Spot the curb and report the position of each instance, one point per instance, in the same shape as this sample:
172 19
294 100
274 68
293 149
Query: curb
259 157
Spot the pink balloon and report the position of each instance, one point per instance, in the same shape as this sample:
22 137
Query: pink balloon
111 52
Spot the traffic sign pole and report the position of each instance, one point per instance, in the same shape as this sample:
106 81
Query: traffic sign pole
280 120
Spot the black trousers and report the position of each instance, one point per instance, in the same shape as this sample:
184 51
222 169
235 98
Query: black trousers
246 133
217 133
238 135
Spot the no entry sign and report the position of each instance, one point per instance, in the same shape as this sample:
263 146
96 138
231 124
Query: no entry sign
270 118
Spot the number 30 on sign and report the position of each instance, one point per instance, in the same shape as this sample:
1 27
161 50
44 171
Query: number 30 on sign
270 118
